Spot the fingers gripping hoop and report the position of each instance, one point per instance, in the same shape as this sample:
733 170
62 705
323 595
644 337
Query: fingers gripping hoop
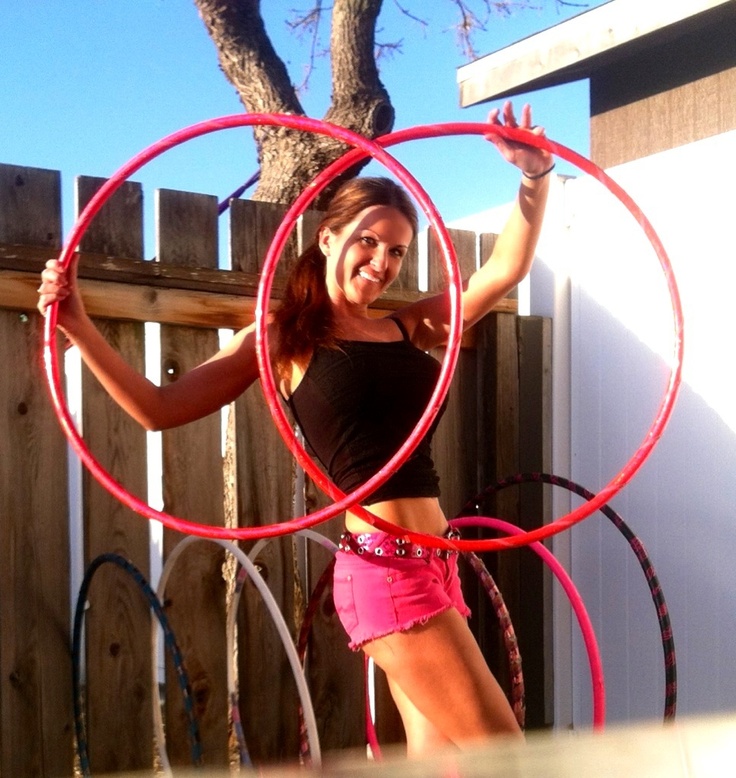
362 148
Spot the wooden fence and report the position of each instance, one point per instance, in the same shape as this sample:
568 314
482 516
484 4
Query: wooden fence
496 425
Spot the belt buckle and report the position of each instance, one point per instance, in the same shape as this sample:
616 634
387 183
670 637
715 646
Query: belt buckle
450 534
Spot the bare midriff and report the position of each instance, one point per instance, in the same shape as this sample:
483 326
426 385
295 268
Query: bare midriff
416 514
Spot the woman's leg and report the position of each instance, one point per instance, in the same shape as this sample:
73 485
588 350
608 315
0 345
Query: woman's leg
443 683
422 737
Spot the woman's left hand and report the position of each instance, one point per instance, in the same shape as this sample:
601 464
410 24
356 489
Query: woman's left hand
529 159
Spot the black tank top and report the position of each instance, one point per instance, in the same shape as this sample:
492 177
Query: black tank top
357 403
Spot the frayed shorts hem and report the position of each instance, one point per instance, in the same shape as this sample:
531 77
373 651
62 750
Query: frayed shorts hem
421 621
376 596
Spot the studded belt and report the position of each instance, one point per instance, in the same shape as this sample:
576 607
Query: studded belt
384 544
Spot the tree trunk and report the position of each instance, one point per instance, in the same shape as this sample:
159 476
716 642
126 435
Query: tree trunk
289 159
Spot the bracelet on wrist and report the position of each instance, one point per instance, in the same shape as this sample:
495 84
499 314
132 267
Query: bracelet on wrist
537 176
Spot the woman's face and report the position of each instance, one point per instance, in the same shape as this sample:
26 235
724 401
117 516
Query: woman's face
365 256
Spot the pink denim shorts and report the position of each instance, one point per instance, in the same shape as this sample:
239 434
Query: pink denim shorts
378 595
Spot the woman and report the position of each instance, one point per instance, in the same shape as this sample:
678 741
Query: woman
357 385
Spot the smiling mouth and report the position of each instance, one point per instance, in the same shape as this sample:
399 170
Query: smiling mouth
367 277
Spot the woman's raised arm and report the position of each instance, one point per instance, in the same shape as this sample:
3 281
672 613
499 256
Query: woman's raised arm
513 253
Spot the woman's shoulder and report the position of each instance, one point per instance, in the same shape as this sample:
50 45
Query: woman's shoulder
425 321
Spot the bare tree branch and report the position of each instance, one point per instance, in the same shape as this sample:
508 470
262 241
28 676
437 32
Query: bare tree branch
308 25
246 55
409 15
387 50
470 22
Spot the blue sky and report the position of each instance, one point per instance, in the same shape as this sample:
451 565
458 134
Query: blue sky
86 84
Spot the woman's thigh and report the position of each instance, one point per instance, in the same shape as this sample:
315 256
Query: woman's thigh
441 670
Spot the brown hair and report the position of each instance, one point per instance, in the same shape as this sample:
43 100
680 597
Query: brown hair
304 318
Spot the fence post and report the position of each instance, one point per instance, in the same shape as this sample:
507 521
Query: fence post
265 494
336 676
35 687
535 455
117 627
194 489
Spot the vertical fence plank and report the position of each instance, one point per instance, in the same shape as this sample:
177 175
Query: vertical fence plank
335 673
252 227
455 443
117 626
480 431
454 446
265 489
498 387
497 454
194 489
535 455
35 693
30 207
408 278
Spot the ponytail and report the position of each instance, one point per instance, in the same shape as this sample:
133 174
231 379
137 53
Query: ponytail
304 319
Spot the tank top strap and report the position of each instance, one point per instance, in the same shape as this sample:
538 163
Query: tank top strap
400 324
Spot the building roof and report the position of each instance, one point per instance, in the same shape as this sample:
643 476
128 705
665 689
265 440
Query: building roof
576 48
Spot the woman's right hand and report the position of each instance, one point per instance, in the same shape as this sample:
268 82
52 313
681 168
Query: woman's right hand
59 285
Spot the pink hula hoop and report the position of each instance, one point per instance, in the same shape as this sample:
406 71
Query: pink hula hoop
366 148
350 501
576 601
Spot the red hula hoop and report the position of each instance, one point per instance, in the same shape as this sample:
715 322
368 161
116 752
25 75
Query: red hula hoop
351 500
362 148
366 148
